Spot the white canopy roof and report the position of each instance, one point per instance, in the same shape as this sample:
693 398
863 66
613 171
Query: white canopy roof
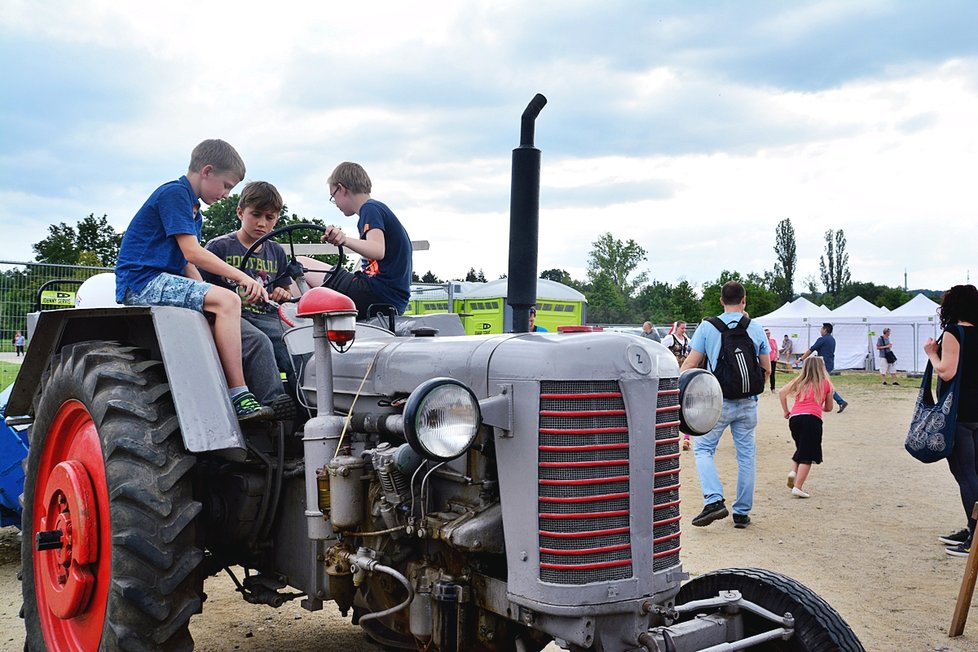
799 308
857 307
919 306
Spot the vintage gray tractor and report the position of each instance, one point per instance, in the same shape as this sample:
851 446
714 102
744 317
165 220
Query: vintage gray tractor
451 492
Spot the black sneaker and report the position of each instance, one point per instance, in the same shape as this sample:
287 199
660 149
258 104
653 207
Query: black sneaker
247 407
895 382
712 512
741 521
955 539
842 406
283 407
884 382
961 550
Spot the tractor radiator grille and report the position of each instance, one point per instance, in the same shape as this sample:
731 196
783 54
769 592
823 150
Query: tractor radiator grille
665 503
583 483
584 490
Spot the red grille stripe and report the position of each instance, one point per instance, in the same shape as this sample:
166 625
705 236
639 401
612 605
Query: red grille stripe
667 521
603 564
674 503
667 424
588 447
585 515
585 534
668 392
660 474
583 413
585 395
568 465
582 431
672 487
668 408
674 456
668 537
583 499
666 553
670 440
585 481
585 551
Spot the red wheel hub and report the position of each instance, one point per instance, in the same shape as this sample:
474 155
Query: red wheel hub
72 554
71 510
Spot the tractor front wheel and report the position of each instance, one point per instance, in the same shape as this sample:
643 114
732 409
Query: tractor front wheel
818 627
109 554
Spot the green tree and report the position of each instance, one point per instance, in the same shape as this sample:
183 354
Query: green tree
834 265
617 261
92 242
654 303
556 275
684 304
474 277
785 250
429 277
60 247
605 302
760 299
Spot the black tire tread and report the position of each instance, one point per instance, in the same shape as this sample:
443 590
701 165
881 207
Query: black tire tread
155 585
818 627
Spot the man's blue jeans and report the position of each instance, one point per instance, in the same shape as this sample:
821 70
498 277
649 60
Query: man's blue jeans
741 416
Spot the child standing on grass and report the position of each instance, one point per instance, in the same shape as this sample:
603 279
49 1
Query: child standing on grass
813 395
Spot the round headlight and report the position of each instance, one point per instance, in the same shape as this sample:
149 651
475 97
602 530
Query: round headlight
700 401
441 419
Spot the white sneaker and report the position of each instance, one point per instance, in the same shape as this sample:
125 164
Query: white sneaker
791 479
795 491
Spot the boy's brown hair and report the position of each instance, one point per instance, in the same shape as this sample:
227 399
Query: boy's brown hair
262 196
218 153
351 176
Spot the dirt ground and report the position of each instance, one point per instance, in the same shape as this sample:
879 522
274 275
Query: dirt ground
865 541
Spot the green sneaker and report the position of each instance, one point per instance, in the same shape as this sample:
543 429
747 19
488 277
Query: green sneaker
247 407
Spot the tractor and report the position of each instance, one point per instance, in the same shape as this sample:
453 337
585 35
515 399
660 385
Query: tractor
486 493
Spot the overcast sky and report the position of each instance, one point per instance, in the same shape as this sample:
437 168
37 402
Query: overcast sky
691 127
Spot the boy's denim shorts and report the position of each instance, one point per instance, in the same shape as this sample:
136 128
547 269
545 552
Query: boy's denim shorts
170 290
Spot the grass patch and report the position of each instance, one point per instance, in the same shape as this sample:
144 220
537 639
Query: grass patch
853 379
8 372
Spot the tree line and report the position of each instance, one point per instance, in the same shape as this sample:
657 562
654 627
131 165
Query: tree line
617 289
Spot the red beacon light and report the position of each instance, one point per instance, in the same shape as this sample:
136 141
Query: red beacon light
337 310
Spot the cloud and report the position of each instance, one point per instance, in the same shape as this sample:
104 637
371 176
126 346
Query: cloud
690 128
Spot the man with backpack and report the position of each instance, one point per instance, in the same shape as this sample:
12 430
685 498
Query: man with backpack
825 347
737 352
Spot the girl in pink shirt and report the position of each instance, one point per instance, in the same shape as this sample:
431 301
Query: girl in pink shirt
813 395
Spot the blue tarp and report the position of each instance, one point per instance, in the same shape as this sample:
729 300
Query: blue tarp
13 450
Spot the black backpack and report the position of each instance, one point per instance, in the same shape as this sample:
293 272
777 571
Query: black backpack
737 369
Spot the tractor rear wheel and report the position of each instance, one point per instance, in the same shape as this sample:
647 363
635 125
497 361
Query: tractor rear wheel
818 627
109 521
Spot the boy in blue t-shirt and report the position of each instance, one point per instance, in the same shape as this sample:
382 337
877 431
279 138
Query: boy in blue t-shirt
384 245
160 254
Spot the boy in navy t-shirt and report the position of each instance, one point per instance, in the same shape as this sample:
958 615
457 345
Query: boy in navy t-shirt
160 254
384 245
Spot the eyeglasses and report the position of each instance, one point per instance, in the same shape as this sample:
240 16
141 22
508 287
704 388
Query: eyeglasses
332 195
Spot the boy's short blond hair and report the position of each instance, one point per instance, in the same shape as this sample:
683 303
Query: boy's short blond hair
351 176
262 196
218 153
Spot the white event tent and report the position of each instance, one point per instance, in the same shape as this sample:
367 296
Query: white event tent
856 325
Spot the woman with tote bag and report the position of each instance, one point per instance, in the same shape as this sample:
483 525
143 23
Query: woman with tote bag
960 308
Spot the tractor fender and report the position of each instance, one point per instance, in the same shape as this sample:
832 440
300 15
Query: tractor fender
181 338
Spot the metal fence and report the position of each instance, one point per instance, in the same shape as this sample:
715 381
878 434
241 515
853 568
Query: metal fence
26 287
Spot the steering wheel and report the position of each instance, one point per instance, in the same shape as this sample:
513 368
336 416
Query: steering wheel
293 268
